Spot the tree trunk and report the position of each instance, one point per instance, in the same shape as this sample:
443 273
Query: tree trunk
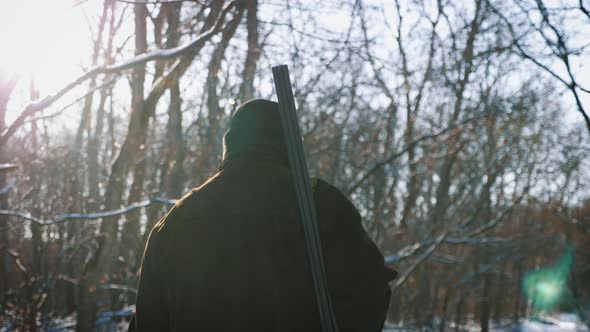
177 177
484 304
247 86
443 313
100 267
454 141
6 87
213 108
95 138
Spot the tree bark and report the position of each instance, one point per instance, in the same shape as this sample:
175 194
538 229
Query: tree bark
6 87
213 108
254 51
101 267
454 145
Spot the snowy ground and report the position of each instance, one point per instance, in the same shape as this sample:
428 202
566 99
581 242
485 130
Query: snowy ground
559 323
556 323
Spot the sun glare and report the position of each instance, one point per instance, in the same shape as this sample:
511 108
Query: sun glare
549 289
43 39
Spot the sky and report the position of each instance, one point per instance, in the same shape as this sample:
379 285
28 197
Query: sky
44 38
51 41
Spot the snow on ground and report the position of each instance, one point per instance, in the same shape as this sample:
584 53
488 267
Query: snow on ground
558 323
563 322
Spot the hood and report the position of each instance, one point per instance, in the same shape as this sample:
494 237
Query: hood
255 134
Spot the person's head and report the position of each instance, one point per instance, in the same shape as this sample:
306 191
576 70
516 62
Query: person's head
255 131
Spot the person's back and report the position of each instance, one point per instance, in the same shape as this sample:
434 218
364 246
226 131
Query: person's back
230 255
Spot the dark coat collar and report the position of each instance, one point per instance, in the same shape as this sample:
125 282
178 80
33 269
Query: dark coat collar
254 157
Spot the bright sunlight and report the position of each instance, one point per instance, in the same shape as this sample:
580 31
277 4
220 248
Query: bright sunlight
45 40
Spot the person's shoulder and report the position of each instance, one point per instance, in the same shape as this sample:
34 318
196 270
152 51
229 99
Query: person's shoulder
332 198
184 206
323 185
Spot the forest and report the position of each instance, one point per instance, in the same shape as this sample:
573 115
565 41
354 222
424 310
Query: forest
459 129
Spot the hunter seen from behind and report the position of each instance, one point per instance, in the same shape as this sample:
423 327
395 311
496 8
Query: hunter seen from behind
418 165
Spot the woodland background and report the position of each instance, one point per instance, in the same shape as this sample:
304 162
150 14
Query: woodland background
458 128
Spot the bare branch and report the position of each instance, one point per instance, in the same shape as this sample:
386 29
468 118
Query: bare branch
160 54
95 215
63 109
397 154
399 281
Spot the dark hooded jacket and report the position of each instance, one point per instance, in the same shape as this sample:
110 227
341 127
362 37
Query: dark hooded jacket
230 255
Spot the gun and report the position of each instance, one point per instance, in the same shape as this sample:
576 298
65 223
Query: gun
304 196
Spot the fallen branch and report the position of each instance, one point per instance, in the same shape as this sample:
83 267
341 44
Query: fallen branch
95 215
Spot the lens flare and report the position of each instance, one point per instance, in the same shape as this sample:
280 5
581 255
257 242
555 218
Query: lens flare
549 289
545 288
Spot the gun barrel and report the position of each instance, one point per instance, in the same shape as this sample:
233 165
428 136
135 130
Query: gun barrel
304 195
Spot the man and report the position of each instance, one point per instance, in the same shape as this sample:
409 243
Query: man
230 254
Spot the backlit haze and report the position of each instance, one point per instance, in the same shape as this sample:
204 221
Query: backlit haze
46 41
